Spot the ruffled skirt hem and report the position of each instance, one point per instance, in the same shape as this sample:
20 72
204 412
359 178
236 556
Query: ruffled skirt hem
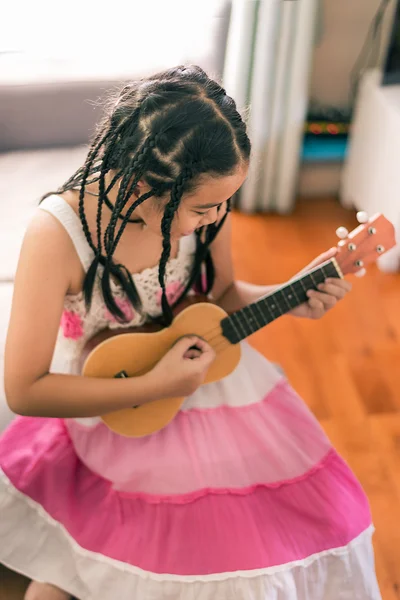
39 547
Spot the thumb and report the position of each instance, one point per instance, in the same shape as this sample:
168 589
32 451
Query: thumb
186 342
319 260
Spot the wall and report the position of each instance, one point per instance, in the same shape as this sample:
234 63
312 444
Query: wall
343 28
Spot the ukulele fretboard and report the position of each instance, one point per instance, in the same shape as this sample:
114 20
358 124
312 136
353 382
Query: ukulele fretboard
253 317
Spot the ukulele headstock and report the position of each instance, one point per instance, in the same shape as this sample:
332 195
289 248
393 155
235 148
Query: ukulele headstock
365 244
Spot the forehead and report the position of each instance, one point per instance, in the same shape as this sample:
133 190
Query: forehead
214 190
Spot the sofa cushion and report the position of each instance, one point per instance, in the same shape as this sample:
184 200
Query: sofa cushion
24 177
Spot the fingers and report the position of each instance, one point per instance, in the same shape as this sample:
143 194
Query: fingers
207 353
186 342
318 309
328 294
192 354
320 302
186 346
339 283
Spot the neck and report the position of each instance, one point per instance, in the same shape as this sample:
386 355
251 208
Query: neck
250 319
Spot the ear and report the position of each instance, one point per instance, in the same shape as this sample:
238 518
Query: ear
142 187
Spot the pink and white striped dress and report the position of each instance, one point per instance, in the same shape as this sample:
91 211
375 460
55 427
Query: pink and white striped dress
241 497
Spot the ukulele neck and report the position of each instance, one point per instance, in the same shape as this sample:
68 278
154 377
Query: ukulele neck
239 325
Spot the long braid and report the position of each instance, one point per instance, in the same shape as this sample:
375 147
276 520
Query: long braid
119 271
122 199
136 167
103 171
97 144
85 175
125 221
166 224
88 283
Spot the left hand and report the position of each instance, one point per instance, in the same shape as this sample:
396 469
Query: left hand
332 290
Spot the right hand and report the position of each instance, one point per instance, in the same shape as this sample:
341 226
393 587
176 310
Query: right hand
183 369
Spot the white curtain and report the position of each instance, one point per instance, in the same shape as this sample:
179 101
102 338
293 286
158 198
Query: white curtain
267 70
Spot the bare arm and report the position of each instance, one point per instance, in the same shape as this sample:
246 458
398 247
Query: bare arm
42 280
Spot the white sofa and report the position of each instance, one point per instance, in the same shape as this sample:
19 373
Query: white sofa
46 117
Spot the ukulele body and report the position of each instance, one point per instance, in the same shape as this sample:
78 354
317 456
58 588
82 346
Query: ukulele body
137 350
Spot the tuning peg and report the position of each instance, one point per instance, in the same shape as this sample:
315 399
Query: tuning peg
360 273
362 216
342 232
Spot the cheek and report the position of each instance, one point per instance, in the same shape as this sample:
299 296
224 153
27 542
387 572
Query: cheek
152 215
186 222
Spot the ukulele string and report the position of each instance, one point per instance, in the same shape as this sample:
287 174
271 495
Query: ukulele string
221 347
218 343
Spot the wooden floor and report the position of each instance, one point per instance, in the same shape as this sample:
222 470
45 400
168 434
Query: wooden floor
346 366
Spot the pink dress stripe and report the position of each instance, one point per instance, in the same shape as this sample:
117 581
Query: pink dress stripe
226 447
228 532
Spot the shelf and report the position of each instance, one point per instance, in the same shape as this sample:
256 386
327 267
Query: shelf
322 149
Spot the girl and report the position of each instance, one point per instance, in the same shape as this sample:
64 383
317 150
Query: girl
241 496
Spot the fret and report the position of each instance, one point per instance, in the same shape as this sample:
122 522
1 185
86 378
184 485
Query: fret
300 281
248 321
288 297
295 295
270 308
273 306
329 270
252 318
257 306
284 298
235 330
310 275
239 321
323 272
311 280
332 270
265 304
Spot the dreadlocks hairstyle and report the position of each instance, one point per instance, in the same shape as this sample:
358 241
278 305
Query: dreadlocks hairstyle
168 129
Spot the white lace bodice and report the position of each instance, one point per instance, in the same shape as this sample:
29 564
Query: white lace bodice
77 325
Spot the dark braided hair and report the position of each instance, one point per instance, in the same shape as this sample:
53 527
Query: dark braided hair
168 130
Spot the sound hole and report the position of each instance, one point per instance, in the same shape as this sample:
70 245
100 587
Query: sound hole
123 375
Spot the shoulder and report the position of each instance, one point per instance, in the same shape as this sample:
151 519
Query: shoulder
48 245
45 230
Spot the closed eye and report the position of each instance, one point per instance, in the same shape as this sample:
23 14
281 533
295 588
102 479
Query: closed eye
217 206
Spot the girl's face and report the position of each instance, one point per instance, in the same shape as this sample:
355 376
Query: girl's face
195 210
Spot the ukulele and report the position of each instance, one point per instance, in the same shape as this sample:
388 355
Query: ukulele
135 351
